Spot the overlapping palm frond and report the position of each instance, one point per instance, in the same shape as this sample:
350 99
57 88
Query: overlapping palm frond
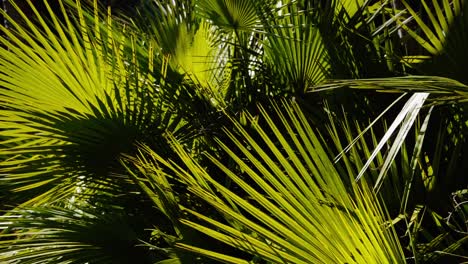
411 182
415 182
435 29
59 235
79 89
198 60
357 25
295 209
239 43
350 7
268 43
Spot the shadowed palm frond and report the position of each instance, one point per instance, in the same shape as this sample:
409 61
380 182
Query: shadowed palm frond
434 31
422 180
58 235
441 31
422 86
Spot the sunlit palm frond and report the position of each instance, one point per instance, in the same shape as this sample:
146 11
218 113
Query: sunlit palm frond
350 7
73 99
430 84
195 49
440 20
421 179
296 208
355 151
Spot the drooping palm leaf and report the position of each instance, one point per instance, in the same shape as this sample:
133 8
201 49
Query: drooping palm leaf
432 84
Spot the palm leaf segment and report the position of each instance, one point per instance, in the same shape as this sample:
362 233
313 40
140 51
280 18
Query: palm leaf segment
73 99
296 208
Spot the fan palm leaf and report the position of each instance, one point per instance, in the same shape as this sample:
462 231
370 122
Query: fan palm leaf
294 47
231 14
73 99
296 208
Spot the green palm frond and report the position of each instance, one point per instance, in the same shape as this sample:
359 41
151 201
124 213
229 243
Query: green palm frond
420 178
294 48
350 7
371 50
355 151
152 121
231 14
164 22
296 208
73 101
194 48
430 84
158 184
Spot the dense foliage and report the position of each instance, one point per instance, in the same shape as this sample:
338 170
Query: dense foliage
233 131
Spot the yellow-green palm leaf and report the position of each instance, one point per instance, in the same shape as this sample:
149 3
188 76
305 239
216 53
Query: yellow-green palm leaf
73 99
294 206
